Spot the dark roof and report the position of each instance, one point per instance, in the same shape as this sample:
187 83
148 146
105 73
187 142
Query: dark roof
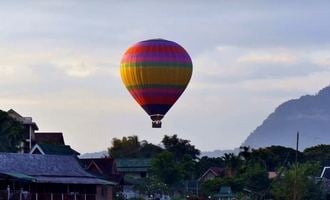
43 165
217 171
133 165
47 168
326 173
106 167
49 138
57 149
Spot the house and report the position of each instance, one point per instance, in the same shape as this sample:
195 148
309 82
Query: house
53 149
48 138
325 173
132 171
225 193
212 173
102 167
325 177
31 137
50 177
136 167
29 128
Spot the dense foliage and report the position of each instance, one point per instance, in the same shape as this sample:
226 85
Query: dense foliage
131 147
10 133
247 173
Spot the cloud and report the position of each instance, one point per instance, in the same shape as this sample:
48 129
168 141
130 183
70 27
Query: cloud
298 84
268 58
321 58
59 63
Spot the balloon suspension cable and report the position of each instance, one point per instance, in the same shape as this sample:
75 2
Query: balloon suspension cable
156 120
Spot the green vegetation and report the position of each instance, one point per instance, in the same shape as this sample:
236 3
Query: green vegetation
306 187
131 147
10 133
246 173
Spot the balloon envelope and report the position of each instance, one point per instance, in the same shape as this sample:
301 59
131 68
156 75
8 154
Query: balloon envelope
156 72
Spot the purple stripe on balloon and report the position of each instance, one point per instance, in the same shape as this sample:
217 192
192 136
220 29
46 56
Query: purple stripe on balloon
155 59
158 42
149 57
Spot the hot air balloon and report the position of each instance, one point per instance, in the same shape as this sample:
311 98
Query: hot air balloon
156 72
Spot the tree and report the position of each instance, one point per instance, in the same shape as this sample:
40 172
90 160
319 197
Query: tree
255 178
127 147
232 163
319 153
274 157
149 150
180 147
204 163
152 186
166 168
10 133
177 162
306 186
131 147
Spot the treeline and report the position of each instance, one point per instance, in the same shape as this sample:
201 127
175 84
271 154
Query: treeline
176 161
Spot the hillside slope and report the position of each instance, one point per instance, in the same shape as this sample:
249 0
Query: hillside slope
310 115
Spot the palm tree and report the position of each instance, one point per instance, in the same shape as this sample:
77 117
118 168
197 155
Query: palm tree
232 162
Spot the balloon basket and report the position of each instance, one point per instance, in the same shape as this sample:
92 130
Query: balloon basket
156 124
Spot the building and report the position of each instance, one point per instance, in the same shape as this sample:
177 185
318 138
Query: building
103 167
132 171
48 138
225 193
212 173
40 142
53 149
135 167
29 128
325 177
50 177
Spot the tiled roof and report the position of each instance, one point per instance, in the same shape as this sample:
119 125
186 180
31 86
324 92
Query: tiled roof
57 149
106 166
132 165
49 138
41 165
133 162
47 168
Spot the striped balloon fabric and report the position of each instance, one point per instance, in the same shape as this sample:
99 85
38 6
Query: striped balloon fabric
156 72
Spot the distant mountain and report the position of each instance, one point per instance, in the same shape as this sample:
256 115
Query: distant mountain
218 153
310 115
100 154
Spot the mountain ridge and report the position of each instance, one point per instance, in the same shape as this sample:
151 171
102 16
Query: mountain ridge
309 115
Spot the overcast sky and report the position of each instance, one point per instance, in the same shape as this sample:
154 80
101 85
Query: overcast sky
59 63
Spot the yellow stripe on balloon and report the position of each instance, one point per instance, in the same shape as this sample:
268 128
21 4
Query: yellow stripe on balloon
155 76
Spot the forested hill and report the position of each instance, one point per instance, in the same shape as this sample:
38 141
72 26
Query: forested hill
310 115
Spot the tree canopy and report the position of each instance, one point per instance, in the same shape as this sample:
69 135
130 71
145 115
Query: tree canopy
131 147
10 133
180 147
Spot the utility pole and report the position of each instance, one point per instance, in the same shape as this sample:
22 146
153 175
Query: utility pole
296 170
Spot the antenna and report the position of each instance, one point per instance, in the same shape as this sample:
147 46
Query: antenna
296 170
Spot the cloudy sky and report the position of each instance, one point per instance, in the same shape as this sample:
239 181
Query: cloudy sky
59 63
